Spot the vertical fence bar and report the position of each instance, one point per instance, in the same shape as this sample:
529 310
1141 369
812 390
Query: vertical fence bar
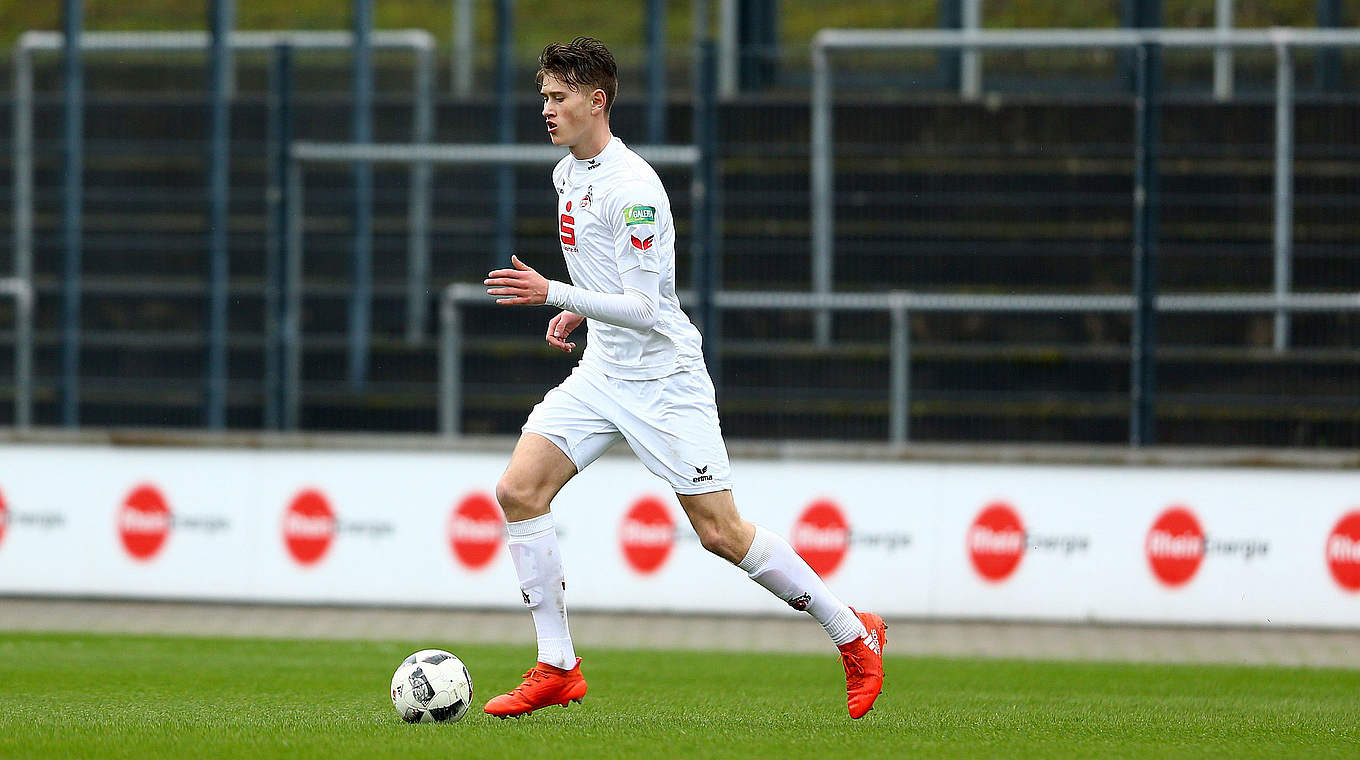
705 188
899 404
418 207
295 208
505 175
1143 370
219 189
23 230
73 168
464 22
280 140
1284 186
970 65
450 365
361 295
656 72
949 16
1223 54
1328 71
729 49
823 217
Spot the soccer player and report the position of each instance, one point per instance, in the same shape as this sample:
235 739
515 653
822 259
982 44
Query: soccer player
641 379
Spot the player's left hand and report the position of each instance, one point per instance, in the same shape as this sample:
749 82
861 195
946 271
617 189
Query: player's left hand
521 286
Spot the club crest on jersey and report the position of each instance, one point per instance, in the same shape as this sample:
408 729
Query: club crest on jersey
590 195
644 244
639 214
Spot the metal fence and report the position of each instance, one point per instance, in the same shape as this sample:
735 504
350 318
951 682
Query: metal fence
972 41
900 305
419 43
765 202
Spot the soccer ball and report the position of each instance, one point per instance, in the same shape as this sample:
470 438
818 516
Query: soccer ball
431 686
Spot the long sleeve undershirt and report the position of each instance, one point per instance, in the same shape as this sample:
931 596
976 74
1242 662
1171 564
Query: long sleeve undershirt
634 308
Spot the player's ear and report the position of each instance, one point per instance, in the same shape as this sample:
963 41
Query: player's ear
597 101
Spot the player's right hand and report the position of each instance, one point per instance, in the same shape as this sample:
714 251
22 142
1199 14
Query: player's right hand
559 327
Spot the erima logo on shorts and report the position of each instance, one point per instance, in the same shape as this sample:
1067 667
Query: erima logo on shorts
639 215
703 474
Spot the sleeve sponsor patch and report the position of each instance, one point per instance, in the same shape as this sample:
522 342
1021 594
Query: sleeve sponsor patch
639 214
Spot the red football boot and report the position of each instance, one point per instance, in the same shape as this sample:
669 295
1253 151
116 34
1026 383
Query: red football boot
543 685
863 661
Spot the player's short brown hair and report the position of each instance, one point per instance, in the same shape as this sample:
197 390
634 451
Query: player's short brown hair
583 64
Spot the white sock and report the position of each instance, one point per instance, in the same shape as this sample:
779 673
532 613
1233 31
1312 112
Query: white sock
538 562
774 564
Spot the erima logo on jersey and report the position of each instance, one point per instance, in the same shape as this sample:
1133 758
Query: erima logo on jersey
639 215
642 245
592 165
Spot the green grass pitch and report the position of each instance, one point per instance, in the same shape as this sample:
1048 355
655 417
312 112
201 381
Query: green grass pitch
101 696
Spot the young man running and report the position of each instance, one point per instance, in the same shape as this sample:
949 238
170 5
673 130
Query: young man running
642 379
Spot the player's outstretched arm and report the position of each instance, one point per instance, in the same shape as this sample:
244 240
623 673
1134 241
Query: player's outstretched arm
636 307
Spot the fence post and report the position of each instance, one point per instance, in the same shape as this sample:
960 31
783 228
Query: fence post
464 22
361 293
823 215
505 175
970 66
656 72
23 230
280 139
418 199
1146 201
292 294
705 183
450 365
1223 54
950 58
899 404
1284 186
1329 58
73 168
219 197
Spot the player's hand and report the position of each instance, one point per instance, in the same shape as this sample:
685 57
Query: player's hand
560 327
521 286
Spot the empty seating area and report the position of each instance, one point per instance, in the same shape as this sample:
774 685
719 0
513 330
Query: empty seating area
1025 195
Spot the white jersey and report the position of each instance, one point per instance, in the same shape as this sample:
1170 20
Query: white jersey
614 216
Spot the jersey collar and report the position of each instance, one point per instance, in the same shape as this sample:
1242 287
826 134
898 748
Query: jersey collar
594 164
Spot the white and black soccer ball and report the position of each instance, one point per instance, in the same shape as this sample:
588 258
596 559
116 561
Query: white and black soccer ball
431 686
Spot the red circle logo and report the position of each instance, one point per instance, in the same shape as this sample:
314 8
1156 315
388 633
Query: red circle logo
821 536
308 527
4 517
475 530
1175 546
996 542
144 522
647 535
1343 551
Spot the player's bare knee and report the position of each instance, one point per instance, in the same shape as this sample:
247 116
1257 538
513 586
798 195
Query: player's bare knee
718 539
519 501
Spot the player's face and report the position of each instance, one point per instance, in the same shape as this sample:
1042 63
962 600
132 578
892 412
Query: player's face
566 111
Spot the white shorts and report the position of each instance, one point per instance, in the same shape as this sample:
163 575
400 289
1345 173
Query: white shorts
671 423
